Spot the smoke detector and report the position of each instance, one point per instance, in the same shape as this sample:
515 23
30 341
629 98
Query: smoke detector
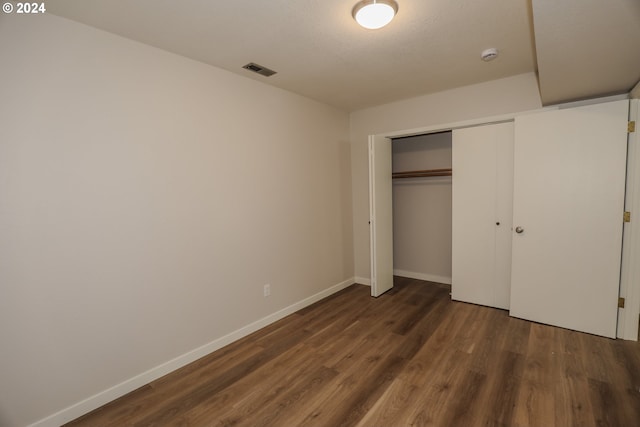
489 54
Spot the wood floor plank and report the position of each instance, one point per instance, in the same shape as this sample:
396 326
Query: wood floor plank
599 351
435 350
626 377
255 391
186 401
441 390
353 388
411 357
299 396
432 319
502 390
607 410
397 399
413 316
467 402
572 401
516 337
172 387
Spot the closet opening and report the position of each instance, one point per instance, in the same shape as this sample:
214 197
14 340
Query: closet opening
518 184
422 213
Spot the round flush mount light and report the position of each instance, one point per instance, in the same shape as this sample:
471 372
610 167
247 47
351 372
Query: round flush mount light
374 14
489 54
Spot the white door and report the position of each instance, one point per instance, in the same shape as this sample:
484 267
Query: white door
569 183
380 214
482 158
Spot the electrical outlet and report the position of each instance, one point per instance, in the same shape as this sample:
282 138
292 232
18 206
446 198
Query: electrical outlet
267 290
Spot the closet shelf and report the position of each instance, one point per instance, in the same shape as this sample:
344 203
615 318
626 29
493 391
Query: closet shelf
422 173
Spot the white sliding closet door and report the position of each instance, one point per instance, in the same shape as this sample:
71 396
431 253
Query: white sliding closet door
380 214
482 158
569 185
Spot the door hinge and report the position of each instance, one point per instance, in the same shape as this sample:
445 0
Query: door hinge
626 217
620 302
631 127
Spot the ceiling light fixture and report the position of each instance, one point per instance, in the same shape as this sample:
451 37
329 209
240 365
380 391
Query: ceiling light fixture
374 14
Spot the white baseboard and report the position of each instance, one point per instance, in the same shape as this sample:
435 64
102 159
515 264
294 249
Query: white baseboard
106 396
423 276
363 281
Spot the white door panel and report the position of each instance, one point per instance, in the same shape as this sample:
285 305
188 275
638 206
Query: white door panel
482 210
568 197
380 214
504 213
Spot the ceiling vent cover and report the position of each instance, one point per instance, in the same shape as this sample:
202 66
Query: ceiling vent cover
263 71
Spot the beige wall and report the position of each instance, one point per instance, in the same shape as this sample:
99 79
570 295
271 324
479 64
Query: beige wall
511 94
422 209
145 199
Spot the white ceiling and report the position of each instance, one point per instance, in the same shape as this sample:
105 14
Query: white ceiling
586 48
432 45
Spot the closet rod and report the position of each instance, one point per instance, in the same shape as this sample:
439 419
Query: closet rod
422 173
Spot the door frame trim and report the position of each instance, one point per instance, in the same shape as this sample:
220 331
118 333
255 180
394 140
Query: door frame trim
372 219
629 317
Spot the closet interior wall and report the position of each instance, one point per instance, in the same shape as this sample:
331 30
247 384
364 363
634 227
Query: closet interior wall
422 208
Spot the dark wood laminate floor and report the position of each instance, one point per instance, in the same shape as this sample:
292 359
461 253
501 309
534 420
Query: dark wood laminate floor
412 357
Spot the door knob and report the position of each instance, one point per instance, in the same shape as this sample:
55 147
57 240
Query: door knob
519 230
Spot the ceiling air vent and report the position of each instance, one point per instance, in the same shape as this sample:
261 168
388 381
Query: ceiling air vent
263 71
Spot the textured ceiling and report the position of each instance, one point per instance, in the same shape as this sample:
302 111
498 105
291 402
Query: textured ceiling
320 52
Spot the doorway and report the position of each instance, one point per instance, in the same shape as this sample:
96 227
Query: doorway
422 207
